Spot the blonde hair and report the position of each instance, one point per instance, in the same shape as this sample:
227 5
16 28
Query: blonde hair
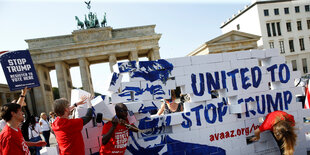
42 113
284 131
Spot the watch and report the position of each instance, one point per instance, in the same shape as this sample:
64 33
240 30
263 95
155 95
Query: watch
75 104
22 96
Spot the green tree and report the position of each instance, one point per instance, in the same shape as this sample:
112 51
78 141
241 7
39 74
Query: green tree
56 93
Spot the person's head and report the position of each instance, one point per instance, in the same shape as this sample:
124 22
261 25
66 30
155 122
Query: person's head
62 107
283 130
52 114
43 115
173 96
32 120
11 111
121 111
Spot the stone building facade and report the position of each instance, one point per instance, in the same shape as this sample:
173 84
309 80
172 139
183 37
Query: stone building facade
283 24
228 42
83 48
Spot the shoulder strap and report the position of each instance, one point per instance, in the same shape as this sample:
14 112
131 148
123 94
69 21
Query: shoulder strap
31 131
167 110
179 108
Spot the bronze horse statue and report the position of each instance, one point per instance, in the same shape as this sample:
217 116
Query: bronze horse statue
79 23
104 21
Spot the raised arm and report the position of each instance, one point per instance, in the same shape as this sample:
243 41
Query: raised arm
21 99
106 137
89 113
88 116
162 108
39 143
83 99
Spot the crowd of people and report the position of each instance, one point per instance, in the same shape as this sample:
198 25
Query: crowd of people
20 131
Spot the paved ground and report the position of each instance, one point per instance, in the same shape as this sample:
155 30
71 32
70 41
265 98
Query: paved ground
52 140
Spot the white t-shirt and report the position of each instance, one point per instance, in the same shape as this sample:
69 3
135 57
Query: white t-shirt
2 124
51 120
35 132
45 125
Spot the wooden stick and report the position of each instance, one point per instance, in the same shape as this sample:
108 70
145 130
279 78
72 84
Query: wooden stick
127 125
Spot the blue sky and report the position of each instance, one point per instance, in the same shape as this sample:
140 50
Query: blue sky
184 24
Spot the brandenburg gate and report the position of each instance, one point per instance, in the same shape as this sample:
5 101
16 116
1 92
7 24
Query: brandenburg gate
83 48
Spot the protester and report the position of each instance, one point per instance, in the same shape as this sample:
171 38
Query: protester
45 127
11 139
34 131
281 124
170 106
22 103
115 133
52 119
68 131
25 124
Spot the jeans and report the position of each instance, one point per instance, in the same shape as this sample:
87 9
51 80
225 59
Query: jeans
46 135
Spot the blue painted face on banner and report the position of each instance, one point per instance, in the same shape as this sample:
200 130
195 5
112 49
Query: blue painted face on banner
153 70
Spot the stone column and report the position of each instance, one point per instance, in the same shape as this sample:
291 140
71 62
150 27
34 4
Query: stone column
43 95
85 75
133 55
154 54
3 98
112 61
12 96
63 79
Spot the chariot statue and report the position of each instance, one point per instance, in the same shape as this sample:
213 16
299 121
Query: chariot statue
91 20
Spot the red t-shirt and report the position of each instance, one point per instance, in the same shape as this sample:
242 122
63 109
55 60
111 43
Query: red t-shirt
12 142
271 117
118 141
69 136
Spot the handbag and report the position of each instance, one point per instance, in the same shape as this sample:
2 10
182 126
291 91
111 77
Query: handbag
35 139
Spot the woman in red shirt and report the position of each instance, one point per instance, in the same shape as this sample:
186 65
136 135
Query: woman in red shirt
281 124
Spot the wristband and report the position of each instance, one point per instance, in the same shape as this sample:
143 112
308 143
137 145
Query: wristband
75 104
22 96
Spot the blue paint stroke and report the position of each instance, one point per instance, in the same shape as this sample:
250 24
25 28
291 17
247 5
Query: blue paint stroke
154 150
115 76
153 124
174 147
178 147
153 70
154 90
125 67
147 109
103 97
